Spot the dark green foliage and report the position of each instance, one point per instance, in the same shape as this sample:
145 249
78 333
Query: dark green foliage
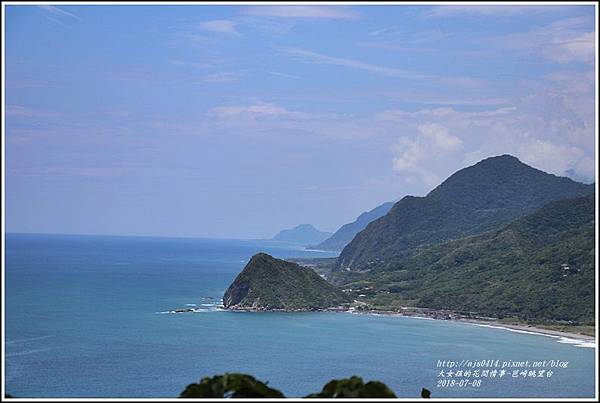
246 386
518 271
472 201
354 387
321 265
269 283
230 385
348 231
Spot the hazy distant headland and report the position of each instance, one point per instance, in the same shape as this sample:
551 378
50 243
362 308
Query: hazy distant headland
303 234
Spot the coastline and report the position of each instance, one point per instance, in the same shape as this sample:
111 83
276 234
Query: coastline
533 329
522 328
527 329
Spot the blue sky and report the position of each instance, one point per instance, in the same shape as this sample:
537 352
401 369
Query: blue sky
238 121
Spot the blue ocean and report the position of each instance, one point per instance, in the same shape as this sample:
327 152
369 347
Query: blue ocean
86 317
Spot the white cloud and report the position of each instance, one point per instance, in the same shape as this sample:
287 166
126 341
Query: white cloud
319 58
220 26
356 64
226 112
279 74
269 119
419 159
439 136
192 64
384 31
19 111
304 11
551 129
550 126
269 26
59 12
576 49
562 158
482 10
564 41
28 83
222 77
394 47
445 98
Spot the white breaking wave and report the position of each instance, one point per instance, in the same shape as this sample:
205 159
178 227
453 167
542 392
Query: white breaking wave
513 330
29 339
564 340
39 350
586 344
577 343
568 341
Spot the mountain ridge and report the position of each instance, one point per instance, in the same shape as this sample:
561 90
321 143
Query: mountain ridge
471 201
346 232
539 267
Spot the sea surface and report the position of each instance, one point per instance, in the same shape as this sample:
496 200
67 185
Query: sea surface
87 316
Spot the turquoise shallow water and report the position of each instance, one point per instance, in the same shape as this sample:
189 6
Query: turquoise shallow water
82 320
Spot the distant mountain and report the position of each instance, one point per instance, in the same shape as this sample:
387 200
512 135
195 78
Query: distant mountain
344 235
267 283
476 199
304 234
538 268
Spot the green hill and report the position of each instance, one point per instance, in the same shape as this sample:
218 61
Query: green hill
539 268
472 201
267 283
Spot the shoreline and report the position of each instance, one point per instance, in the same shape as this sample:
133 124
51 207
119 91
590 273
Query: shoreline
534 330
526 329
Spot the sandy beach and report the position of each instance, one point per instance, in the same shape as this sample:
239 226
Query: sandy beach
532 329
577 338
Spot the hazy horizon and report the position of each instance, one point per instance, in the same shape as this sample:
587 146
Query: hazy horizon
235 122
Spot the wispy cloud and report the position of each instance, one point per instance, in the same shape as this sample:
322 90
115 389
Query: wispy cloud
304 11
355 64
270 119
433 98
20 111
175 62
577 49
57 21
384 31
59 12
563 41
220 26
222 77
258 110
279 74
28 83
482 10
393 47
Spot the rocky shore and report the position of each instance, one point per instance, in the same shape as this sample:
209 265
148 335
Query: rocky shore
438 315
